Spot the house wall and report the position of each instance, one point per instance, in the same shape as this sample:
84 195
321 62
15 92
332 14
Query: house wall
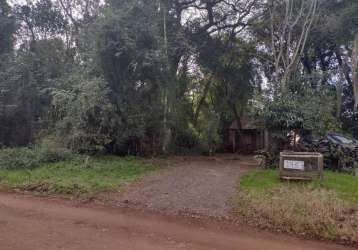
249 140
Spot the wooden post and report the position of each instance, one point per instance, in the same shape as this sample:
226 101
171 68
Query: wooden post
266 139
233 140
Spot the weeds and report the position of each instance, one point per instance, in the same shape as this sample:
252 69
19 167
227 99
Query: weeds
31 157
305 209
79 176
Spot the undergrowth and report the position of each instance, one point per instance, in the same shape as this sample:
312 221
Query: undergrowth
78 176
32 157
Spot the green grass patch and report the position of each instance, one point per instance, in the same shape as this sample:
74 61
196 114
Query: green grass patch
76 176
328 210
346 186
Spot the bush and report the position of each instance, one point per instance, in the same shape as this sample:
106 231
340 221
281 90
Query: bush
31 157
16 158
306 109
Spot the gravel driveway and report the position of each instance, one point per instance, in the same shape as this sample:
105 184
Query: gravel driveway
195 186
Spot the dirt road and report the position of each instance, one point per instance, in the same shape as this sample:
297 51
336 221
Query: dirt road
32 223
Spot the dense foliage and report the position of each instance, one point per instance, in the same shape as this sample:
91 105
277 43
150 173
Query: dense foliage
146 77
307 110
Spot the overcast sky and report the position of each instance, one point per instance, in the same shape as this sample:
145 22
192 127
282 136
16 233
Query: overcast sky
16 1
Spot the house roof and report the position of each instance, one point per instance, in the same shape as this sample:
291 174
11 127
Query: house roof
247 123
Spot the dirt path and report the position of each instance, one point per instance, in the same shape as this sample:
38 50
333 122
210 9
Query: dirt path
32 223
190 185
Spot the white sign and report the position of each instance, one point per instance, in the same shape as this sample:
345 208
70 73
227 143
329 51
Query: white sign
296 165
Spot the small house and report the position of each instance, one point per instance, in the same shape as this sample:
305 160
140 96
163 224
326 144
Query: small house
248 134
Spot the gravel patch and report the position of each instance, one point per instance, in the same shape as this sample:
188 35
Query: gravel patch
195 186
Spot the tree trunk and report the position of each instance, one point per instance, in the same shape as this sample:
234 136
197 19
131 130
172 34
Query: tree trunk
355 72
167 135
202 99
284 82
339 90
339 86
286 50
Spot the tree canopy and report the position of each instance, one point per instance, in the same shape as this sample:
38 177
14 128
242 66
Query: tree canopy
146 77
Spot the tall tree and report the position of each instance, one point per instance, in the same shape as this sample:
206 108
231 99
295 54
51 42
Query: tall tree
7 31
7 27
290 24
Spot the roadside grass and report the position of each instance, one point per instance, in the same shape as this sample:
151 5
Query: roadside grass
345 185
79 176
327 211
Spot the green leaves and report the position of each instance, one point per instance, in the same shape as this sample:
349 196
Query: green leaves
7 28
307 109
41 20
83 115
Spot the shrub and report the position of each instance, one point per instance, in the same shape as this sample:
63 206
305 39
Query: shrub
31 157
305 109
52 150
16 158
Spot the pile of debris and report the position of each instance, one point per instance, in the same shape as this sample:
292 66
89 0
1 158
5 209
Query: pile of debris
340 152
